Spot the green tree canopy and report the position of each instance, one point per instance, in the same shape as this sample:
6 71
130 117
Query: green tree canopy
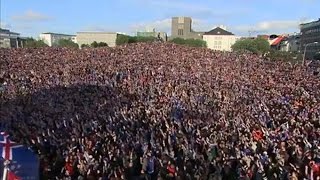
102 44
33 43
257 46
85 46
189 42
122 39
94 44
67 43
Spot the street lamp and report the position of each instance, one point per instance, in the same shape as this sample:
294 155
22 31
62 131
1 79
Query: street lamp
305 49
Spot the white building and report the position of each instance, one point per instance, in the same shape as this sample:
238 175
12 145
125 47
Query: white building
89 37
52 39
291 43
219 39
10 39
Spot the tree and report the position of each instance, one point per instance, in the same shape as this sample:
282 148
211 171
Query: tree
189 42
94 44
122 39
85 46
67 43
262 45
102 44
257 46
32 43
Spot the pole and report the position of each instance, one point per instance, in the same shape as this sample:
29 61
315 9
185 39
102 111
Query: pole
5 170
304 54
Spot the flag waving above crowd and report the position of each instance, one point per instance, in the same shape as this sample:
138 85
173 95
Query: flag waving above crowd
17 161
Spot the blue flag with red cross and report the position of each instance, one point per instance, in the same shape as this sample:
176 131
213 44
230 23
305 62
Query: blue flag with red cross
17 162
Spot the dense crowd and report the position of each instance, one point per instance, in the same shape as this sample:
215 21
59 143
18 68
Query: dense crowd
161 111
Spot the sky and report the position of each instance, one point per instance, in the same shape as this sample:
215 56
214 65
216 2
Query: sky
32 17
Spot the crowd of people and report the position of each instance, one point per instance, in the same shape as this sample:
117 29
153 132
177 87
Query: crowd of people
161 111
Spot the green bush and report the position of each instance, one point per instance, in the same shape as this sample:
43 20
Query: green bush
32 43
257 46
122 39
67 43
189 42
94 44
85 46
275 55
102 44
146 39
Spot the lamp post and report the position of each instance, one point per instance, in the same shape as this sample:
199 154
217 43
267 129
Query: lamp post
305 49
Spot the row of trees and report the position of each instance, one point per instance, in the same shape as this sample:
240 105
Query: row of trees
121 39
125 39
95 44
189 42
33 43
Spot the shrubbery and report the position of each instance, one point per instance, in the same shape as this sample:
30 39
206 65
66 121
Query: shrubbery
100 44
32 43
189 42
67 43
257 46
125 39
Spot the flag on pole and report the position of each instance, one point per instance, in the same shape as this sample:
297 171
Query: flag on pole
17 161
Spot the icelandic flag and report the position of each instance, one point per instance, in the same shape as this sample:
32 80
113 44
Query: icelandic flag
17 162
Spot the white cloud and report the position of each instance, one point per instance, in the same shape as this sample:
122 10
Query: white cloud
31 16
193 9
164 25
273 26
159 25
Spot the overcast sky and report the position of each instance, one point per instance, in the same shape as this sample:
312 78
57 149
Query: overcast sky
31 17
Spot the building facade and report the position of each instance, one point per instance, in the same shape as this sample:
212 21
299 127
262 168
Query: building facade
89 37
291 43
52 39
310 33
219 39
181 27
10 39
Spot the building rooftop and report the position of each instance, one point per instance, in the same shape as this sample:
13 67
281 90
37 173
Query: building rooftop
310 24
8 31
96 32
58 34
218 31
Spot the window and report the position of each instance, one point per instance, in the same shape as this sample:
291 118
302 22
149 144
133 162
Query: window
181 20
180 32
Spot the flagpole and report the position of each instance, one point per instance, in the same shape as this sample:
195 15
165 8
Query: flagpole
5 171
